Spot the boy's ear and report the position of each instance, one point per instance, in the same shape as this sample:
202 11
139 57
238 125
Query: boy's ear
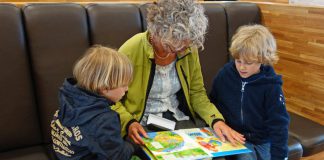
103 91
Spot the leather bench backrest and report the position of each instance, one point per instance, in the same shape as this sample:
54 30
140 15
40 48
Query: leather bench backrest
18 113
113 24
215 54
143 10
239 14
57 36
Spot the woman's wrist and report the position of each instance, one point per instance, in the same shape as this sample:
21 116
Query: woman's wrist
215 121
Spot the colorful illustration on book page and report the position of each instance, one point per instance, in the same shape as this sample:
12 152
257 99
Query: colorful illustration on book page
209 141
163 141
170 145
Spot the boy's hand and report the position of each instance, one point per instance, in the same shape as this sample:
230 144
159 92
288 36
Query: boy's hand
222 130
134 131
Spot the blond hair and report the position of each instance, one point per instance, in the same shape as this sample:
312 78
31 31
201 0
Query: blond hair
254 43
102 68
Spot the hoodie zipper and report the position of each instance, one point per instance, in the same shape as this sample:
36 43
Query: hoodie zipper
242 95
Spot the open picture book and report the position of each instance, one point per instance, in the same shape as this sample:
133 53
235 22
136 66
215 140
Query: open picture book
195 143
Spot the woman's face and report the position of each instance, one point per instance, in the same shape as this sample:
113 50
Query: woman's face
171 48
165 53
177 48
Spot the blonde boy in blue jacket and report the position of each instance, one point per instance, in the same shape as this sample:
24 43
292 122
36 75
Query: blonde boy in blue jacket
84 126
248 93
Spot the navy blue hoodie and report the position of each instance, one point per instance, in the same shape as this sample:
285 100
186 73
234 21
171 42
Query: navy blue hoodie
254 106
85 127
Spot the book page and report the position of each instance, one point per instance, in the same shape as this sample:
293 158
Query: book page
196 143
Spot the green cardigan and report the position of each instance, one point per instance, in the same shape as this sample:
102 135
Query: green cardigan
194 101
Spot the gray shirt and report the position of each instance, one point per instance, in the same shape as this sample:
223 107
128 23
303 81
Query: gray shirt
162 96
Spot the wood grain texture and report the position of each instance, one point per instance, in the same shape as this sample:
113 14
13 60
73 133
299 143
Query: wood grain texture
318 156
273 1
299 31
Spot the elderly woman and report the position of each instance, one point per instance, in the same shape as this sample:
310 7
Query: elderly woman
167 78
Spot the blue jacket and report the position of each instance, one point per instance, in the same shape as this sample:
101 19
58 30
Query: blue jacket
254 106
85 127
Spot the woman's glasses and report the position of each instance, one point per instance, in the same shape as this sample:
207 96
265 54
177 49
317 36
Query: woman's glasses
177 48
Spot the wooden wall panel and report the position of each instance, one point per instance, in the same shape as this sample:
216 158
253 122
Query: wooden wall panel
274 1
299 31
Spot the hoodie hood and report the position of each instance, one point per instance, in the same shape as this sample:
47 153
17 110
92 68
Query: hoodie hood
265 76
78 106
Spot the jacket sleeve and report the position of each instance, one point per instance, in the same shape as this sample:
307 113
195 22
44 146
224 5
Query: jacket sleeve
277 122
198 96
213 93
125 116
111 144
128 48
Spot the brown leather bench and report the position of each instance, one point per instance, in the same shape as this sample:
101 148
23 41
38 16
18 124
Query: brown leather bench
295 150
20 135
309 134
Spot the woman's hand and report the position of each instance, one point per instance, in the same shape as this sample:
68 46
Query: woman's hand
222 130
134 131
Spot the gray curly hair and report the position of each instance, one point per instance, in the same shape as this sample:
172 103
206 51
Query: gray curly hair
175 21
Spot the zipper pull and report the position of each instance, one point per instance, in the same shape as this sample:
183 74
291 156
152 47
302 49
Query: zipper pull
243 85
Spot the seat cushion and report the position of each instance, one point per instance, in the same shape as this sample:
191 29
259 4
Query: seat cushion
30 153
309 134
295 150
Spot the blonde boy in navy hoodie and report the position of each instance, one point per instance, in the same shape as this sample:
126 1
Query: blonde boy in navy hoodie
248 93
84 126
